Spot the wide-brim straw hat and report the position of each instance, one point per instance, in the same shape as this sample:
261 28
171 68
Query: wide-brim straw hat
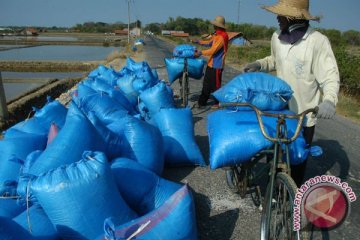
297 9
219 21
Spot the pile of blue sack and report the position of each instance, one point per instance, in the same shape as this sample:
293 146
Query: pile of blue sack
92 170
235 135
175 65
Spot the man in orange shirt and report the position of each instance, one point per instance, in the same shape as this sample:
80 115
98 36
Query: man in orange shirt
218 43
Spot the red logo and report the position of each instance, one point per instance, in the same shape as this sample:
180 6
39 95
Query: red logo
326 206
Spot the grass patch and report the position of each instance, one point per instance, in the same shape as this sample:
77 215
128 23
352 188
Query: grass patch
113 55
123 53
349 107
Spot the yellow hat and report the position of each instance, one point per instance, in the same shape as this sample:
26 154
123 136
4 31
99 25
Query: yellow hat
297 9
219 21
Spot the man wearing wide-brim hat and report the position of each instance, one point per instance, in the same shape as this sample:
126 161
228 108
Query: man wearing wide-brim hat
218 43
304 59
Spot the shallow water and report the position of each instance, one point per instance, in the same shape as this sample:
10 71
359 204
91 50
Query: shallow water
13 90
58 53
47 53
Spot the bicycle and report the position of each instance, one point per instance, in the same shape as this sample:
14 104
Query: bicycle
184 84
277 214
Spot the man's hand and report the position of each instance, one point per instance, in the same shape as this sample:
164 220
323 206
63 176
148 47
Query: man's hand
194 41
252 67
197 53
326 110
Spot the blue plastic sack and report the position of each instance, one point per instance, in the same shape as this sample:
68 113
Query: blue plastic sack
235 137
196 68
135 66
29 161
143 110
98 71
184 51
175 219
9 208
77 135
78 197
147 190
113 142
51 112
157 97
40 224
144 80
125 84
155 73
175 68
120 98
13 152
105 74
97 84
143 143
104 107
263 90
177 129
139 40
10 230
85 89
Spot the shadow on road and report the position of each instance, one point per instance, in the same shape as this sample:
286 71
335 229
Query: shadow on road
217 227
203 143
333 159
176 174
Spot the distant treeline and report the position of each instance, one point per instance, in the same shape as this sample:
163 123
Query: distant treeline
197 26
88 27
101 27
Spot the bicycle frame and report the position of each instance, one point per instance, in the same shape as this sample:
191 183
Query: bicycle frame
184 84
281 138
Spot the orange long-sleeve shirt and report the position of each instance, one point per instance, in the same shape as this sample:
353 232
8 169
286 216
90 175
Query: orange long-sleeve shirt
218 47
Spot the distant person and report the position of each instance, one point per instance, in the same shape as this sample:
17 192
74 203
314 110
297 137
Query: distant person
304 59
218 43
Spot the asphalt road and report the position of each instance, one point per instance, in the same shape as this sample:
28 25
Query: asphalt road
222 214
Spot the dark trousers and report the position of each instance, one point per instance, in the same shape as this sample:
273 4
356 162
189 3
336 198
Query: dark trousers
211 82
298 171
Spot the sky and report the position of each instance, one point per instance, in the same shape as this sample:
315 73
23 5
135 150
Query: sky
341 15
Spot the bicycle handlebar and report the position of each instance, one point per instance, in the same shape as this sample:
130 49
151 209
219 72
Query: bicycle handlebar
283 116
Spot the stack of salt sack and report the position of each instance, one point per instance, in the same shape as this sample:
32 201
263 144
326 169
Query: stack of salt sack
50 178
235 135
21 140
141 135
175 66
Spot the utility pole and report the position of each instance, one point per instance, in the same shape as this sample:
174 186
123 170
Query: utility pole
128 21
3 106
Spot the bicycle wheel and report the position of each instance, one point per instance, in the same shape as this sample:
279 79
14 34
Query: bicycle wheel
231 179
281 213
237 180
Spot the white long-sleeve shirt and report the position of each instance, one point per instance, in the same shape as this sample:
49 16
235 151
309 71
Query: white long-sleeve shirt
308 66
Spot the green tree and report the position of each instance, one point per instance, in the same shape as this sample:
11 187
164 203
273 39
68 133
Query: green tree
153 27
352 37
